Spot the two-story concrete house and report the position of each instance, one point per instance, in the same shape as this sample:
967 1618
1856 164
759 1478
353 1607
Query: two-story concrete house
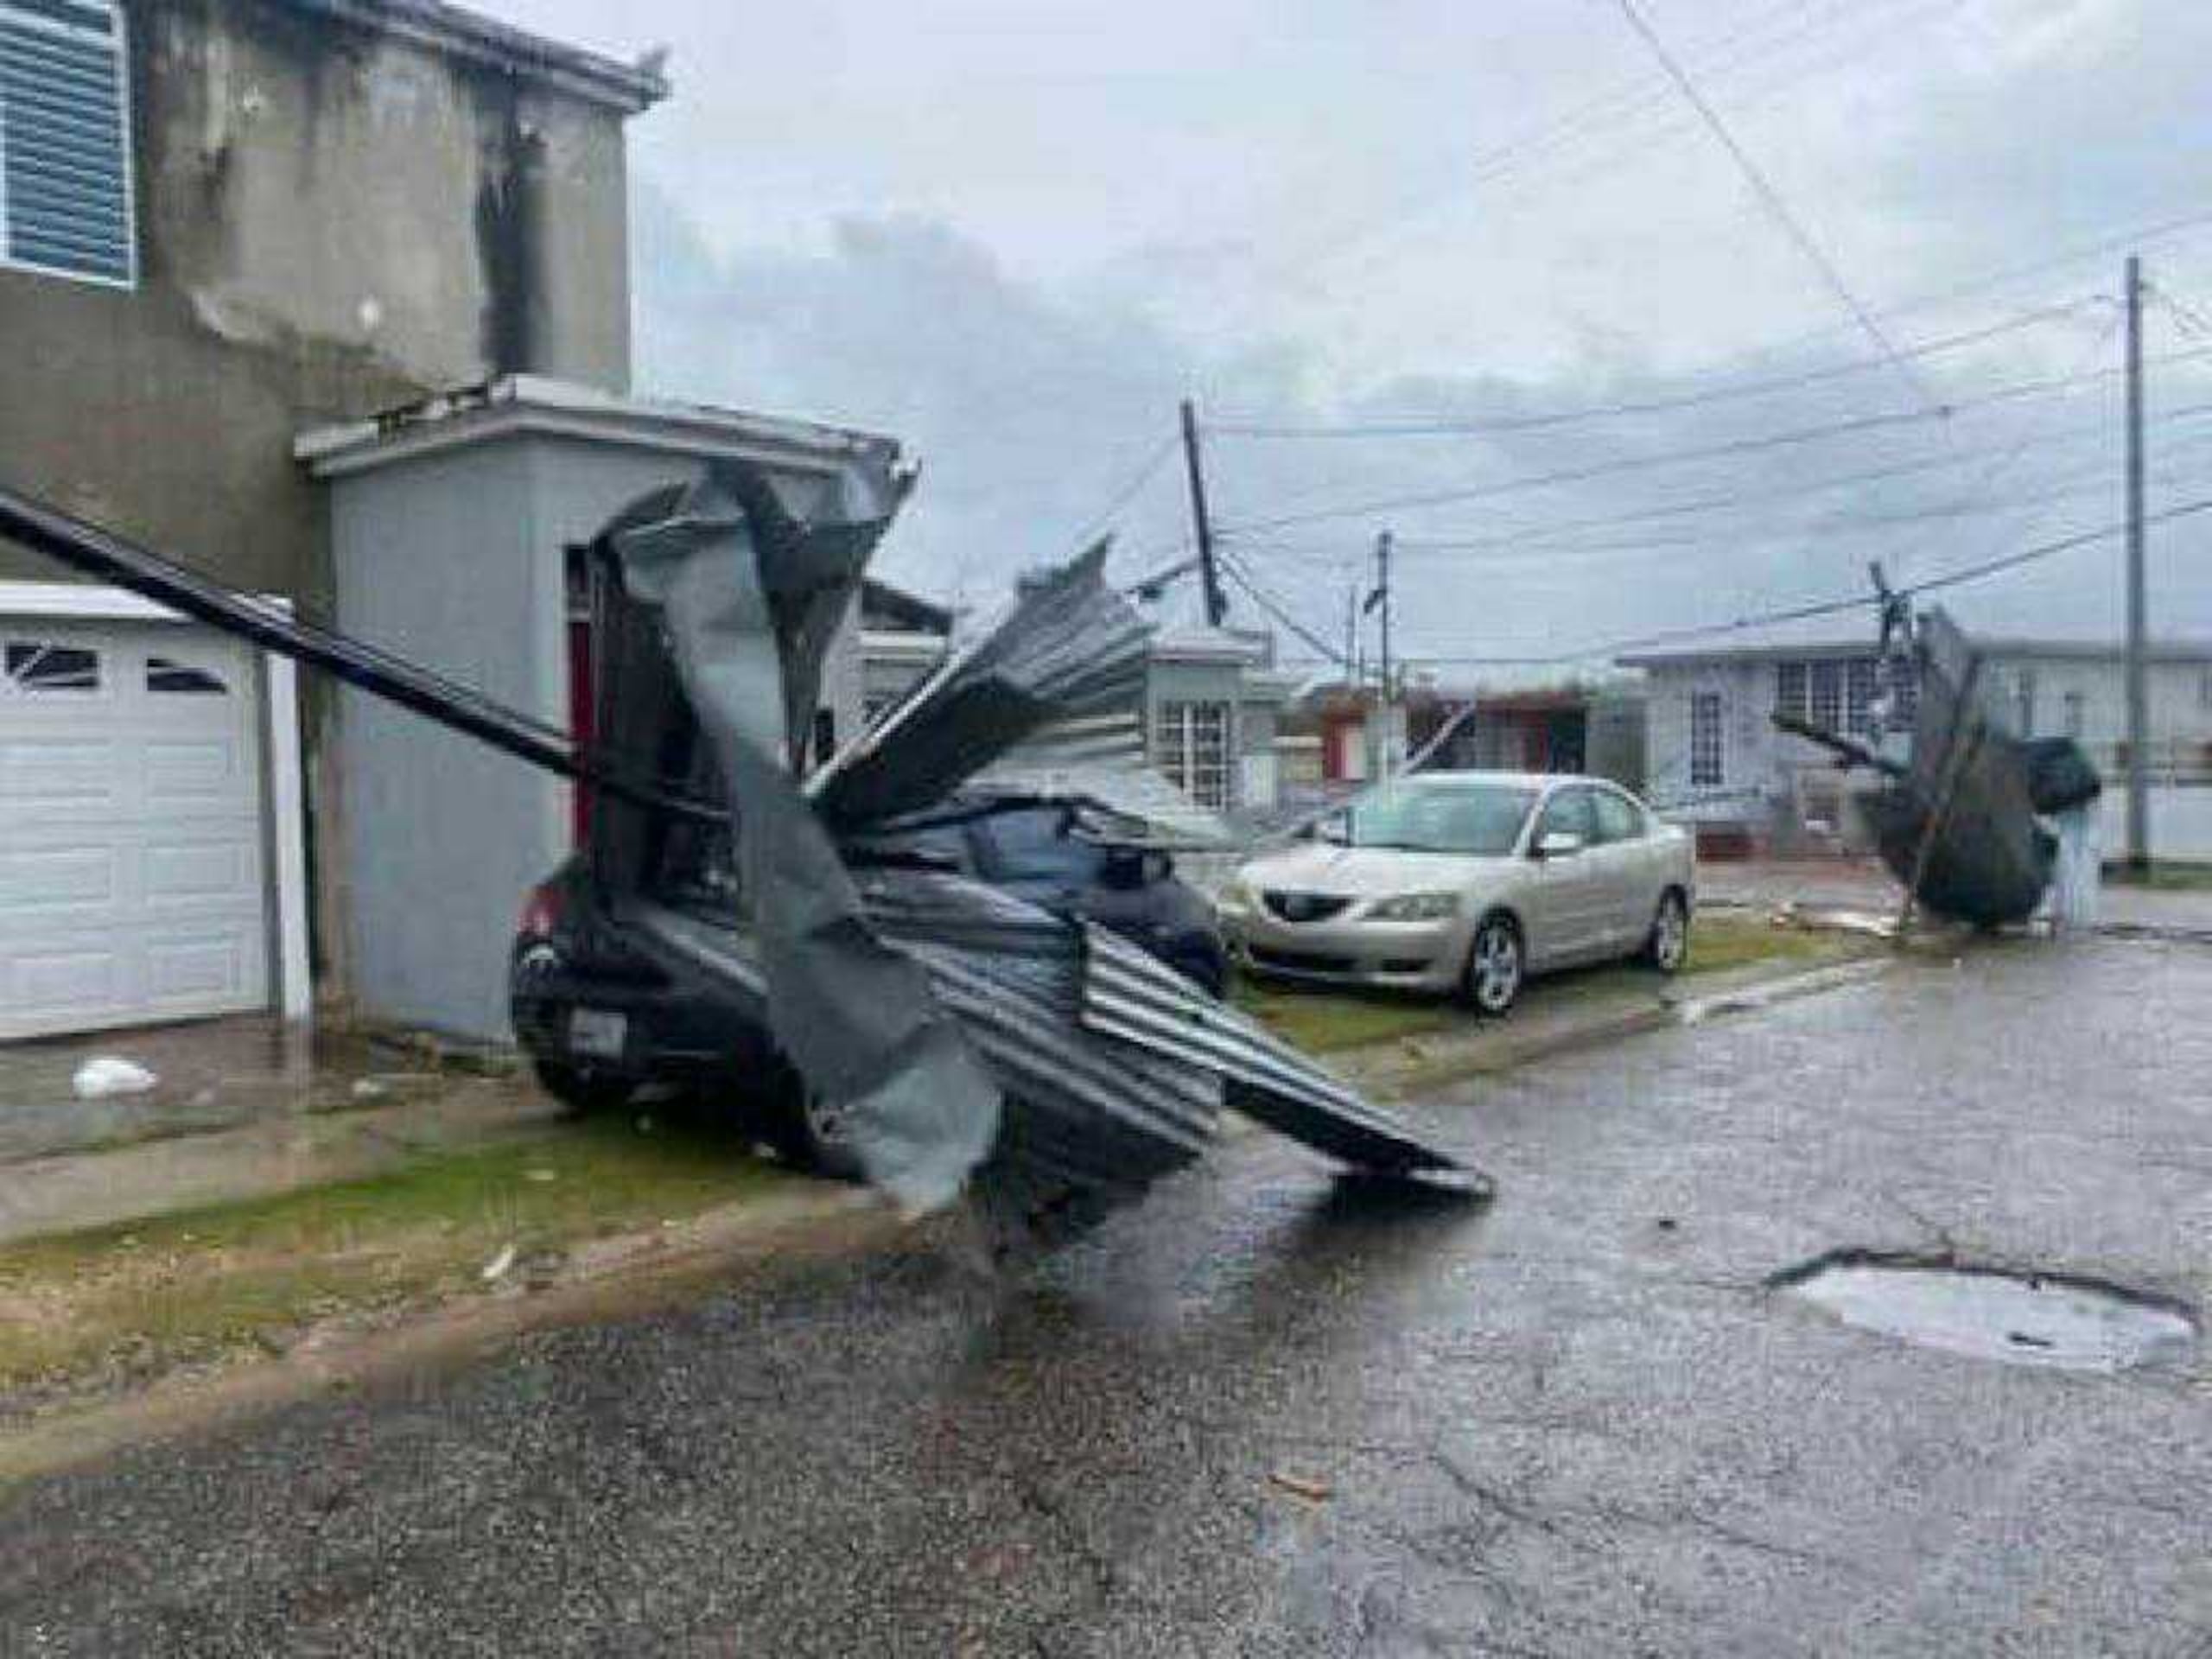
328 299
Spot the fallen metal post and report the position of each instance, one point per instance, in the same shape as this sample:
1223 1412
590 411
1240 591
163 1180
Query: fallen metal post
106 558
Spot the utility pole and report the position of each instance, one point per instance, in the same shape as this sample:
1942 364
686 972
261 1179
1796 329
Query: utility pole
1351 635
1201 524
1381 597
2139 696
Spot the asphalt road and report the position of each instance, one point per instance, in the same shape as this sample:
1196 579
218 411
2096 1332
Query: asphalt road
1268 1414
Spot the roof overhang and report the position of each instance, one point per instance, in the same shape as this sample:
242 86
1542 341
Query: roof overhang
626 88
520 405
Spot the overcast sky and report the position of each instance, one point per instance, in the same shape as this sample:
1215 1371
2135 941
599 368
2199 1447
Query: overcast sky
1012 233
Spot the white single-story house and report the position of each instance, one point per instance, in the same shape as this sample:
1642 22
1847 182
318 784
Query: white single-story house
1718 761
1213 697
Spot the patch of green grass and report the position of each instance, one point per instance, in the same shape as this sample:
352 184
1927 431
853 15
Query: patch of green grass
1325 1021
198 1283
1719 943
1319 1021
2166 875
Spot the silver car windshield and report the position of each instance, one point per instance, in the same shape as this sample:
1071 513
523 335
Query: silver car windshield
1483 819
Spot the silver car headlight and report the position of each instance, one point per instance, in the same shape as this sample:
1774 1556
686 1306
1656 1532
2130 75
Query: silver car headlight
1417 907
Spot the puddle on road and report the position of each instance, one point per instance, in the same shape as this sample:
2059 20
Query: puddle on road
2019 1319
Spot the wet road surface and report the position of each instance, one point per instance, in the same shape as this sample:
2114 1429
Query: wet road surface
1268 1414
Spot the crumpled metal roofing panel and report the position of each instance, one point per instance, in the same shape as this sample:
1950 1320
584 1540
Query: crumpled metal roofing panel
1101 760
1127 994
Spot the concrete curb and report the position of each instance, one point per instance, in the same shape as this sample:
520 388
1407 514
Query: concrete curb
1412 1064
623 1277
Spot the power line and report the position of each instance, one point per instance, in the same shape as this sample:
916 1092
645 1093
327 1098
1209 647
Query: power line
1275 609
2192 320
1619 111
1538 534
1708 452
1780 208
1953 578
2103 247
1645 406
1126 492
1509 552
1526 532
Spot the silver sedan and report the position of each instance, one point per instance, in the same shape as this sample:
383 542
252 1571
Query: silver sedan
1468 882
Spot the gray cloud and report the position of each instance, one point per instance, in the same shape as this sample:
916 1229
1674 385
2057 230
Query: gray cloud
1014 240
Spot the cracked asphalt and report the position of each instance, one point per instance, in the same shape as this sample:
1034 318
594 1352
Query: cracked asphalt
1271 1414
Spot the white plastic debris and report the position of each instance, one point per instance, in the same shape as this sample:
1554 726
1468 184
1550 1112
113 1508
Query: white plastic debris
496 1269
368 1088
110 1074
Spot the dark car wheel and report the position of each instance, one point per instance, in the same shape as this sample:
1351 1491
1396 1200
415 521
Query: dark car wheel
808 1133
1667 946
580 1090
1496 965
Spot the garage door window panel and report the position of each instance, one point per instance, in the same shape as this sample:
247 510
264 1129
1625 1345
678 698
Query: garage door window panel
165 678
31 668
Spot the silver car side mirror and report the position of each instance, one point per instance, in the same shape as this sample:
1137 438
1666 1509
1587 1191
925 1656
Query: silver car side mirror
1558 843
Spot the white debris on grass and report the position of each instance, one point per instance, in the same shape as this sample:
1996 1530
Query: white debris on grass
496 1269
110 1074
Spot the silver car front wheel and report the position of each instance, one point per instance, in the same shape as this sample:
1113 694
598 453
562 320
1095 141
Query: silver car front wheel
1496 966
1668 946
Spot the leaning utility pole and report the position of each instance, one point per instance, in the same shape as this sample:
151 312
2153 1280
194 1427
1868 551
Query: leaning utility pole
2138 698
1201 524
1381 597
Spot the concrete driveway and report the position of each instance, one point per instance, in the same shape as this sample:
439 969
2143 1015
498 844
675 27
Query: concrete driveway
1270 1414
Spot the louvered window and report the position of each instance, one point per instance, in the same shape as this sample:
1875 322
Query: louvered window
65 140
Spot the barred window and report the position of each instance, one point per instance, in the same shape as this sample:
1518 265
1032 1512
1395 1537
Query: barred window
1859 681
1828 695
1904 693
1190 744
64 141
1708 740
1790 691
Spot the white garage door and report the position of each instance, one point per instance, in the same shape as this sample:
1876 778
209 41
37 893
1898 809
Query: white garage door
131 885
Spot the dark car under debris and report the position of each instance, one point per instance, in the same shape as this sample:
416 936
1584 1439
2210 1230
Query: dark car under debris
603 1009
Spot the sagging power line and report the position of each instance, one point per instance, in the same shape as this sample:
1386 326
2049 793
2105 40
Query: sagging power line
1628 408
1794 437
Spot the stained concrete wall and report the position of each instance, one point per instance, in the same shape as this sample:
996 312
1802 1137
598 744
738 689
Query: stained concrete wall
329 221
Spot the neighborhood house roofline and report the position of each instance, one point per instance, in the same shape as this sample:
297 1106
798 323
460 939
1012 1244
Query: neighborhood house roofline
2156 651
630 88
531 404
